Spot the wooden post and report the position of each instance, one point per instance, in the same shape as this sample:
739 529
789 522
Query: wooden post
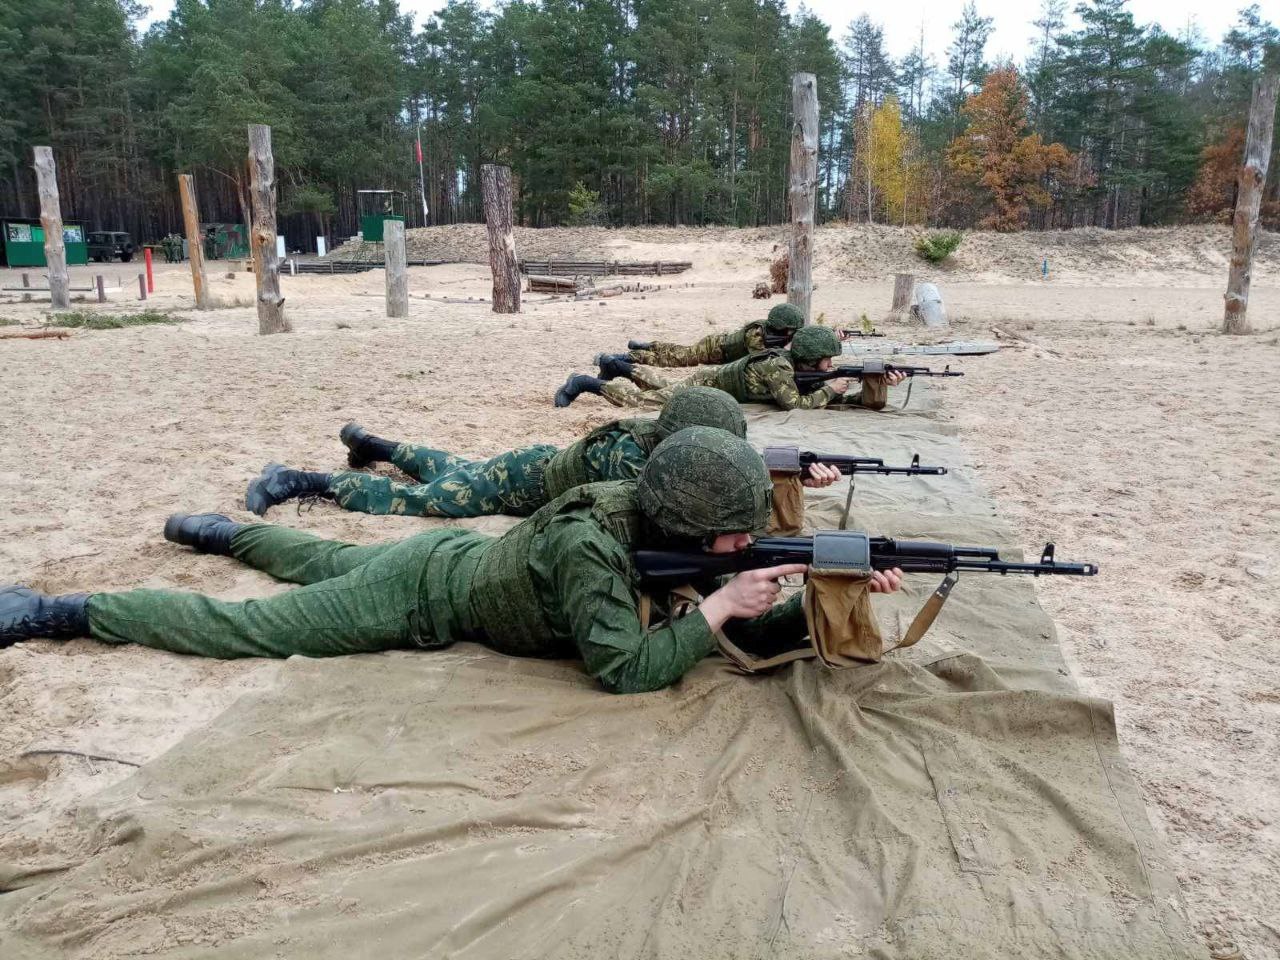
496 184
1253 175
195 249
55 254
26 282
142 286
266 258
101 288
397 271
903 284
803 189
150 277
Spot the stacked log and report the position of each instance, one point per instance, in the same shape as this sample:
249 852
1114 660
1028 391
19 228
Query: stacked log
605 268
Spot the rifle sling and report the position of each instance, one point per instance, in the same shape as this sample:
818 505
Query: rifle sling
745 662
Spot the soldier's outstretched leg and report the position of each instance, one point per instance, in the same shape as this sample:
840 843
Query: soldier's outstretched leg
374 606
422 463
663 353
510 483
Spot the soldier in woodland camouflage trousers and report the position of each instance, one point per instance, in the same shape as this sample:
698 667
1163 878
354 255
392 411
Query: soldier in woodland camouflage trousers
515 483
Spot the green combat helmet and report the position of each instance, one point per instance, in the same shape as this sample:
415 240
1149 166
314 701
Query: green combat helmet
701 407
702 482
784 318
812 344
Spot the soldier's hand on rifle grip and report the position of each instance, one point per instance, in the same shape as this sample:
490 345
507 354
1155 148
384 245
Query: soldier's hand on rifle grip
821 475
894 377
749 594
885 581
839 386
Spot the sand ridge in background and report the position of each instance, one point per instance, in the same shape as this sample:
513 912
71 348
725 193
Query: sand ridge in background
1130 441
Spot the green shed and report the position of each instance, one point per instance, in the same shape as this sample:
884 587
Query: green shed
377 206
22 243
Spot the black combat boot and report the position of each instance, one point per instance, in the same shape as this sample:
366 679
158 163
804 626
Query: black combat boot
614 365
363 448
277 483
576 384
207 532
639 344
26 614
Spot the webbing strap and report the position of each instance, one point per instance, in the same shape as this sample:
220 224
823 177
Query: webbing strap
928 613
728 649
848 504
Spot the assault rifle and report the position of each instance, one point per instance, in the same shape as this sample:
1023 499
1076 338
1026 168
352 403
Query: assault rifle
782 339
794 460
810 380
844 550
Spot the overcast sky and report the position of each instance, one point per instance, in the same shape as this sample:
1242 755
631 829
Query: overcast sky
902 19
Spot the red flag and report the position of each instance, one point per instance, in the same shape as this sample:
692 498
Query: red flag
417 150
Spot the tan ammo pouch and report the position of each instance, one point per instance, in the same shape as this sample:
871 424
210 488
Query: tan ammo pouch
787 518
875 391
842 626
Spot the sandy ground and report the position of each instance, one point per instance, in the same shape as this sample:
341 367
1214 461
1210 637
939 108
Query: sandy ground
1121 427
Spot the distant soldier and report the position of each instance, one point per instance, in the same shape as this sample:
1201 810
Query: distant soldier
776 330
765 377
516 482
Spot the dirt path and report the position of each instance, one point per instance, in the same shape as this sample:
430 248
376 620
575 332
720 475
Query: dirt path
1125 431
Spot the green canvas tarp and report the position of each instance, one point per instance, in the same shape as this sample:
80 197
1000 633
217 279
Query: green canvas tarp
960 799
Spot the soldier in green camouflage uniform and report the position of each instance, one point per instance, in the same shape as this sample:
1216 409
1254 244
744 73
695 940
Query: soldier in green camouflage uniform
767 377
559 585
779 327
517 482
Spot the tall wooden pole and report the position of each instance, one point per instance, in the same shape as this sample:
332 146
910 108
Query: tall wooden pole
496 189
397 271
266 258
55 254
1253 175
803 189
195 248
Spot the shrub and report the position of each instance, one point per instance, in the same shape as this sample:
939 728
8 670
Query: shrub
936 247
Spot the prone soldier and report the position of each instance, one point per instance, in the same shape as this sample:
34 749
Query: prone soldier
775 330
765 377
561 584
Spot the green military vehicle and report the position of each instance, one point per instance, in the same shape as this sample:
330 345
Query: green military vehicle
108 244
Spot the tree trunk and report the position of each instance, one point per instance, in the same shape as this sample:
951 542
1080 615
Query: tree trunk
903 284
1253 177
496 185
396 268
55 254
262 186
195 250
803 189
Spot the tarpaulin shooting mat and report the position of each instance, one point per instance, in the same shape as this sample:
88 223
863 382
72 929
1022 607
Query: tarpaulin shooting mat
960 799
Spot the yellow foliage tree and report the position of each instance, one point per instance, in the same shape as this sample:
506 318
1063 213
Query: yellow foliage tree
892 160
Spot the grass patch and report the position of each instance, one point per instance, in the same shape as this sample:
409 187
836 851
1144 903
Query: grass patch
8 322
85 320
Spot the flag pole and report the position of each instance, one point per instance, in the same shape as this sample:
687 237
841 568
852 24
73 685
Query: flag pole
422 180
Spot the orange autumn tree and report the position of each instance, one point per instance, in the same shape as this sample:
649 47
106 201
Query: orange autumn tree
1213 195
995 167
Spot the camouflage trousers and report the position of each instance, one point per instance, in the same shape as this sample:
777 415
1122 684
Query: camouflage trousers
649 388
448 485
662 353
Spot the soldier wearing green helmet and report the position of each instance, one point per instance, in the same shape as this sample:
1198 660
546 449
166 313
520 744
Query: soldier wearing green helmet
516 482
559 585
775 330
765 377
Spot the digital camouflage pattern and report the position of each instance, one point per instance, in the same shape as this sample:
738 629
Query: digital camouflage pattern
713 348
813 344
784 317
702 482
447 585
755 379
693 406
510 483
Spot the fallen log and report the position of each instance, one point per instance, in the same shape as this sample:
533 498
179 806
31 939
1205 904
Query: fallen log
37 335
